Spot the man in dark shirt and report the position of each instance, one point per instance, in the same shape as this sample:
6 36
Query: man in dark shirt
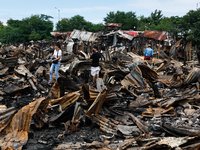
95 64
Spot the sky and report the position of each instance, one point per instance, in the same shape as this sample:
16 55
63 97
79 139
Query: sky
93 11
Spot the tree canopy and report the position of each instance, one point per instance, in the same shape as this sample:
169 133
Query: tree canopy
77 22
38 27
129 20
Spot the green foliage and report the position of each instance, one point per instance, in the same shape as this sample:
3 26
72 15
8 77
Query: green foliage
63 25
129 20
10 35
13 23
156 17
36 26
97 27
164 25
77 22
153 22
191 24
34 36
1 24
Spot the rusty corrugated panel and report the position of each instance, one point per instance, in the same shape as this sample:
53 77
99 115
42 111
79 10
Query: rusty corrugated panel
6 116
157 35
66 100
95 107
114 24
15 135
56 34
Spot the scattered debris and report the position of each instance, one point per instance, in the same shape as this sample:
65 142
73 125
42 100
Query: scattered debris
135 104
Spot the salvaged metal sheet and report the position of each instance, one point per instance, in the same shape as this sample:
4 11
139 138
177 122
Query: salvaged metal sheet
6 115
83 35
158 112
192 76
3 71
158 35
66 100
11 88
95 107
23 71
122 34
15 135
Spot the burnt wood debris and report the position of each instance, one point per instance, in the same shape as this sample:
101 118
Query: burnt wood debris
135 104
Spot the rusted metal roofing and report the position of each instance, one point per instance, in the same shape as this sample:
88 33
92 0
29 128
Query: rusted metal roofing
134 33
157 35
56 34
83 35
114 24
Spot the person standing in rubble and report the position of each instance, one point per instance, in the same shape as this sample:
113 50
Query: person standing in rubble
148 54
95 68
57 56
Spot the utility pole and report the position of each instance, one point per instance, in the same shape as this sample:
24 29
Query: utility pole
58 13
198 5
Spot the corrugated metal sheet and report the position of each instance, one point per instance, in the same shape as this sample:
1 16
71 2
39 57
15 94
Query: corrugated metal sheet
56 34
122 34
157 35
83 35
114 24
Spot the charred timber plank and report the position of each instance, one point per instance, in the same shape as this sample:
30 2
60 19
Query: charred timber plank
183 131
32 84
139 124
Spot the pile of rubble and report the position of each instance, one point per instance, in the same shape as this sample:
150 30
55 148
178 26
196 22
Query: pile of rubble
136 104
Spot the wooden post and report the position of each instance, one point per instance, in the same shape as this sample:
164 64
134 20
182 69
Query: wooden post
159 50
76 49
190 50
82 46
88 47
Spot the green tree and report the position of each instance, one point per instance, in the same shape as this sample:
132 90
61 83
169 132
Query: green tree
34 36
156 17
36 24
1 24
77 22
191 24
129 20
63 25
97 27
10 35
14 23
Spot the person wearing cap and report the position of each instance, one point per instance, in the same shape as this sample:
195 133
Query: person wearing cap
57 56
148 54
95 64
